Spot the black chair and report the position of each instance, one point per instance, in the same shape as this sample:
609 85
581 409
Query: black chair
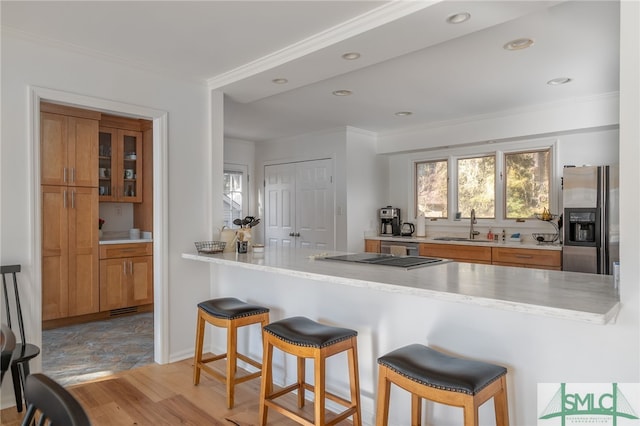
24 352
8 340
53 402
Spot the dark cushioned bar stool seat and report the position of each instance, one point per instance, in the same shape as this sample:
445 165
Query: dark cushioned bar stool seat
429 374
304 338
229 313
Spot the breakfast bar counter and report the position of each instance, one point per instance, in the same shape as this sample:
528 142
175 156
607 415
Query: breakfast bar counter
543 326
568 295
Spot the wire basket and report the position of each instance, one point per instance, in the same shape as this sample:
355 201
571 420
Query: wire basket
545 238
210 247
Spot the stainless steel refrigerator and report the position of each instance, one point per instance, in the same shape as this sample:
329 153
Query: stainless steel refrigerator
590 196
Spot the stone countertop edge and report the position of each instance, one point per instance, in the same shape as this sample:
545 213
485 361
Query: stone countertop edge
484 243
581 297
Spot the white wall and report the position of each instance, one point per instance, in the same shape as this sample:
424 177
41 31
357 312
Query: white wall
366 174
25 64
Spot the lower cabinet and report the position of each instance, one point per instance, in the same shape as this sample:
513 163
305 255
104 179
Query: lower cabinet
372 246
126 275
457 252
528 258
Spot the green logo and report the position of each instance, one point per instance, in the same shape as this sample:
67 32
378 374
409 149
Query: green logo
587 405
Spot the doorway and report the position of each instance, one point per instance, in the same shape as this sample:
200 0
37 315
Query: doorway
160 225
299 205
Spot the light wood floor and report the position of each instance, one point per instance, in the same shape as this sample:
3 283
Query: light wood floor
165 395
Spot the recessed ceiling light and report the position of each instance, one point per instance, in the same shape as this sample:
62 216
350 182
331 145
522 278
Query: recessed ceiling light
558 81
350 56
403 113
518 44
280 81
459 18
342 92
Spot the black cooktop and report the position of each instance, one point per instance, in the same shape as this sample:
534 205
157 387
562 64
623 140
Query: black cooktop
406 262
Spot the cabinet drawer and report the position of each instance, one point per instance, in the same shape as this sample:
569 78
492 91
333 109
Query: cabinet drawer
514 256
459 252
109 251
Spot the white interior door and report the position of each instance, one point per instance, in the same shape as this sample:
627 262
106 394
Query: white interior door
299 204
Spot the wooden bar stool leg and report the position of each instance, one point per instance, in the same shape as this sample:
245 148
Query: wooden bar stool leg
354 381
416 410
384 388
470 413
266 387
500 404
232 340
199 342
301 378
319 383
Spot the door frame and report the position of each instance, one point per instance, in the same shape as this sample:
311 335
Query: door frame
160 204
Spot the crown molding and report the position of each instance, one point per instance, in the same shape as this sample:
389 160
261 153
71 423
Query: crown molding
381 15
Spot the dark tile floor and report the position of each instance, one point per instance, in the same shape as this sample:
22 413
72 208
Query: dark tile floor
84 352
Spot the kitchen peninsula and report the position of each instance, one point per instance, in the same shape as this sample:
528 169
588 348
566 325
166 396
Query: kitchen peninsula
544 326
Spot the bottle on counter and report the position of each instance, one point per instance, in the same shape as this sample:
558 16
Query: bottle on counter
490 235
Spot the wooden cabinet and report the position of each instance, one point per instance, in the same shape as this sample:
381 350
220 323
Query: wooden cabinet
372 246
68 150
120 165
69 251
126 275
457 252
527 258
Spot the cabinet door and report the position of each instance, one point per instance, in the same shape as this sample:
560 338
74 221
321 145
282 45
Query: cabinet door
113 288
68 150
82 152
55 252
141 281
107 166
372 246
131 164
84 295
53 149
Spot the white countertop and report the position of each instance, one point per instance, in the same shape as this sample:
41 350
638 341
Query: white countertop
566 295
479 242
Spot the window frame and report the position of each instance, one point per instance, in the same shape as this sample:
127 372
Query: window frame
452 154
415 183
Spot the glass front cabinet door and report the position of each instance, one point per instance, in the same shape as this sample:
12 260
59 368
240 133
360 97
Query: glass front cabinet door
120 165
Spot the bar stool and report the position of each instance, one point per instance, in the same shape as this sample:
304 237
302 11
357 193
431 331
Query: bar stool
429 374
229 313
305 338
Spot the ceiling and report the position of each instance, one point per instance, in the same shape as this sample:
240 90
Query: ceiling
411 58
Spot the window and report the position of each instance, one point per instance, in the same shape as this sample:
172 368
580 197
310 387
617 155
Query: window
477 187
527 180
502 185
233 196
431 188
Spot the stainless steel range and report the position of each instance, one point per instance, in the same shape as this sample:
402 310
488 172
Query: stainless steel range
406 262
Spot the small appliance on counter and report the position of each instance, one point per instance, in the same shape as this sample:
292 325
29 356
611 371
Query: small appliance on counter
407 229
389 221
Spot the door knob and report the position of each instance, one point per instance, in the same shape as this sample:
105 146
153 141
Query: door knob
297 234
291 234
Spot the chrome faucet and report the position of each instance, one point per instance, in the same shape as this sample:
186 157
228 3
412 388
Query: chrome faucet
473 220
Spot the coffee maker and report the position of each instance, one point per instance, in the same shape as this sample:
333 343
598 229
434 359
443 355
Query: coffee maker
389 221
